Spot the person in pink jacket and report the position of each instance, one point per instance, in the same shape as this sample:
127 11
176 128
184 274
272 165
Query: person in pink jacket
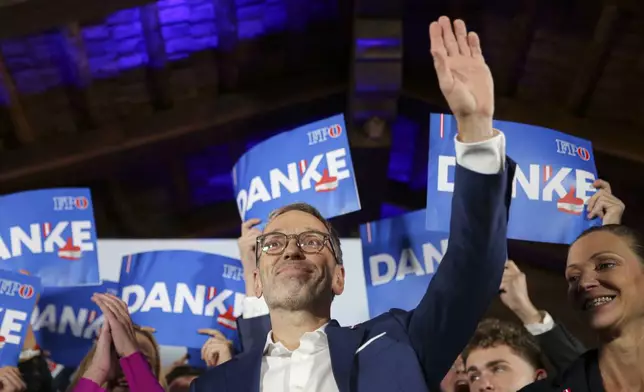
125 357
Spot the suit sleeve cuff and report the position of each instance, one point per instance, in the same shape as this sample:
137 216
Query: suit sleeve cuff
254 307
486 157
546 325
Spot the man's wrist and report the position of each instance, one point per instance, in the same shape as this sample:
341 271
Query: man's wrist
474 128
529 315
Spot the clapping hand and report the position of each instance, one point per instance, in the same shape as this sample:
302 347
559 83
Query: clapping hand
121 327
117 338
104 362
11 380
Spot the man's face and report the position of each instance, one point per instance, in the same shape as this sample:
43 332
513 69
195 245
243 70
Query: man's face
295 280
499 369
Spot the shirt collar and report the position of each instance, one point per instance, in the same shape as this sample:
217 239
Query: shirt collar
310 341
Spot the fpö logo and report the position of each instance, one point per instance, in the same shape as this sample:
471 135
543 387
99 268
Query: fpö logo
12 288
70 203
323 134
567 148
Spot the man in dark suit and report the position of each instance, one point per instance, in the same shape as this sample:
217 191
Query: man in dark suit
300 269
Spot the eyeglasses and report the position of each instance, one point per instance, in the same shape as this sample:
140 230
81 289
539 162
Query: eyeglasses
275 243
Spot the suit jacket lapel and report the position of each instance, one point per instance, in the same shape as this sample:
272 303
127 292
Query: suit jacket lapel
343 344
246 374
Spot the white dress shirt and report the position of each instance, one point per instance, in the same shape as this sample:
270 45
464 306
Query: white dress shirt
546 324
308 368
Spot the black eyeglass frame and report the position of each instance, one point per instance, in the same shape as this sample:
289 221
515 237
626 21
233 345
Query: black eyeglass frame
296 237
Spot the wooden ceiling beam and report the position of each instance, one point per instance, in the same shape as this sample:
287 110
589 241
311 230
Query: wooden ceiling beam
523 29
629 145
77 76
595 58
157 68
193 117
35 16
23 131
229 51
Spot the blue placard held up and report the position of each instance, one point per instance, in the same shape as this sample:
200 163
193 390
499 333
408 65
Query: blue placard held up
179 292
552 185
309 164
51 234
18 295
400 258
66 321
194 358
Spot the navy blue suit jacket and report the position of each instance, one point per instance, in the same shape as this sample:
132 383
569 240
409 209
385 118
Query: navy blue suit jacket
408 351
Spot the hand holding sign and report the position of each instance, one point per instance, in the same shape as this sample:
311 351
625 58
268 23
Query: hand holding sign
246 243
514 294
604 205
217 349
464 78
11 380
120 323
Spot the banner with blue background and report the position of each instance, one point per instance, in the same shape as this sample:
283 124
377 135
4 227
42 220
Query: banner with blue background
178 292
400 258
66 321
309 164
552 185
18 294
51 234
194 358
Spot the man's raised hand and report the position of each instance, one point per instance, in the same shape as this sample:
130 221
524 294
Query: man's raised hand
464 78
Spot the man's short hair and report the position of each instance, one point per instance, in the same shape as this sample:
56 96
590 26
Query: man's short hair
309 209
493 332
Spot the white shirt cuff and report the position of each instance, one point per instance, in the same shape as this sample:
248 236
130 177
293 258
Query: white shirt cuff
486 157
544 326
254 307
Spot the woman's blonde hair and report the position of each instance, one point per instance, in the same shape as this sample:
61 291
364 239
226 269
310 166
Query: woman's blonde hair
145 331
